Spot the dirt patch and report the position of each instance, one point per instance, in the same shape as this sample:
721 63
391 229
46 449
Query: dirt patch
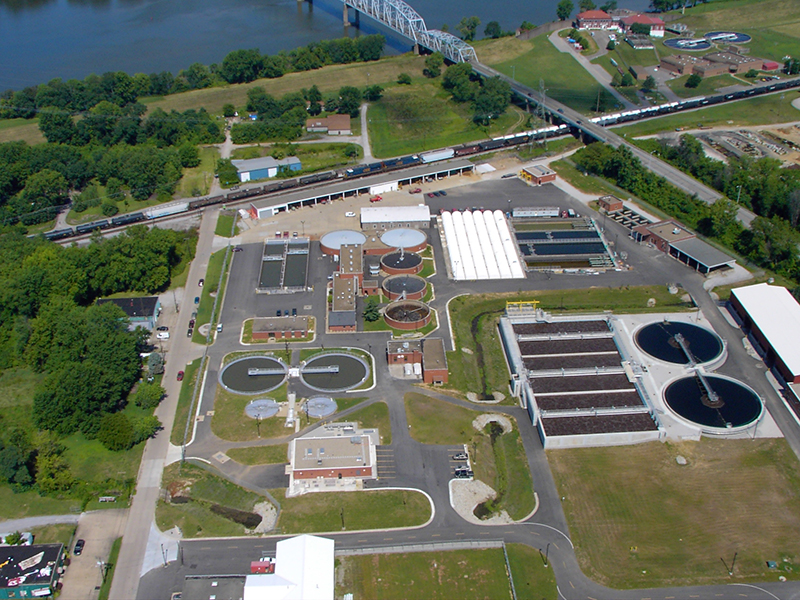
269 515
466 495
482 421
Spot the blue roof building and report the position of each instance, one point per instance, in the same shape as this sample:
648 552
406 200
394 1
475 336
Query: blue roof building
264 167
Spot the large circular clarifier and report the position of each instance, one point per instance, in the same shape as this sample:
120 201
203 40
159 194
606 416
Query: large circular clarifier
735 406
236 377
658 340
352 371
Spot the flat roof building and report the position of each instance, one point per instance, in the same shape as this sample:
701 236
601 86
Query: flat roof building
264 167
279 328
332 125
350 457
680 243
772 316
434 361
30 571
538 174
342 316
351 262
391 217
609 203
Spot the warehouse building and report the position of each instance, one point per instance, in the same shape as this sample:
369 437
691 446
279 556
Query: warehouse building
264 167
392 217
279 328
772 316
304 568
30 571
342 316
681 244
141 312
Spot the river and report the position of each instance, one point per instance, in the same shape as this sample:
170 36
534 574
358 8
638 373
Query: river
43 39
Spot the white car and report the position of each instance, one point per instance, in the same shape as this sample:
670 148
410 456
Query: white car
350 214
162 335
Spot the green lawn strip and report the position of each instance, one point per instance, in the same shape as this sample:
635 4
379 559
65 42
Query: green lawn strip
532 580
111 565
185 403
195 518
428 268
313 157
763 110
230 422
374 416
215 266
21 130
474 319
247 333
196 181
430 575
231 356
89 460
225 224
59 533
31 504
564 78
518 498
374 509
328 79
709 86
259 455
408 120
626 56
548 148
567 170
628 516
433 421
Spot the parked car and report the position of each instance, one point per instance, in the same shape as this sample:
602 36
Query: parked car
237 248
350 214
443 193
508 175
197 299
376 199
431 194
201 282
460 456
162 335
180 375
162 328
191 322
278 313
194 315
78 549
219 327
286 313
415 191
294 312
189 332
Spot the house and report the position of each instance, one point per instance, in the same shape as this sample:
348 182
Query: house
141 312
264 167
594 19
332 125
655 24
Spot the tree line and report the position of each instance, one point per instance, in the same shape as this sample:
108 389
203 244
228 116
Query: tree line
86 358
239 66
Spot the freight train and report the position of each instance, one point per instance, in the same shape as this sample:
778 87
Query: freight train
405 162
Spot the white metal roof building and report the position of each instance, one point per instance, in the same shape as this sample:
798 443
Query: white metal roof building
390 217
773 317
303 571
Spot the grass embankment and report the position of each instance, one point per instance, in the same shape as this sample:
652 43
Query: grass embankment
230 422
589 184
225 224
374 416
504 467
351 511
550 148
196 181
111 565
709 86
474 318
328 79
313 157
206 497
260 455
181 271
639 519
185 401
763 110
60 533
21 130
411 119
564 78
211 286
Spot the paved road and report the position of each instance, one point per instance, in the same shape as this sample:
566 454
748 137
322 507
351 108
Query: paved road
181 351
28 522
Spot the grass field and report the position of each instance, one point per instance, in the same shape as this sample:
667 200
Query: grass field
260 455
586 183
60 533
708 86
22 130
564 78
474 319
408 120
184 402
434 421
195 518
197 180
430 575
215 266
764 110
225 225
638 519
532 580
374 416
349 511
230 423
328 79
313 157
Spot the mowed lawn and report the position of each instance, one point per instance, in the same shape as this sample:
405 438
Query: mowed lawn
564 78
639 519
22 130
708 86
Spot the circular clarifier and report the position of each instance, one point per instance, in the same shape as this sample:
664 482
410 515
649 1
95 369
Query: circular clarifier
352 371
236 377
659 341
320 407
733 406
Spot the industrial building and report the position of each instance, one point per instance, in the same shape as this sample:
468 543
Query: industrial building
479 245
609 203
141 312
345 457
771 315
278 328
392 217
31 571
683 245
426 358
304 568
594 19
332 125
537 174
351 263
342 316
264 167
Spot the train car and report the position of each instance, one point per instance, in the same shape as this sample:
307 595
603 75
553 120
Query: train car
211 200
362 170
491 145
127 219
245 193
466 149
164 210
316 178
59 234
283 184
89 227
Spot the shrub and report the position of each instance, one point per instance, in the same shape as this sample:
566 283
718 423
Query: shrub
109 210
693 81
404 79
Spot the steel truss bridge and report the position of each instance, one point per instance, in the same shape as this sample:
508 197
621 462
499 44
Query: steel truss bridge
402 18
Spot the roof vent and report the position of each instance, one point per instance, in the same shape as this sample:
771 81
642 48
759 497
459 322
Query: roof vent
676 231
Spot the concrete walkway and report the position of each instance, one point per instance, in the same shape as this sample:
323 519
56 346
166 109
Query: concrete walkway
365 135
30 522
599 73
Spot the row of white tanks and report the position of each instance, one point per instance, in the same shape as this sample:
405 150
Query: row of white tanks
481 245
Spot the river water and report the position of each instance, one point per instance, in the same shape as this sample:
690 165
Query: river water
43 39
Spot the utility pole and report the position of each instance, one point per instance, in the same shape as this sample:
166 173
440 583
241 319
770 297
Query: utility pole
542 111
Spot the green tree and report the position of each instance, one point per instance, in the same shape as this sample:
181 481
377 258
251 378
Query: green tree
370 47
242 66
693 81
649 84
371 312
627 80
14 539
640 29
433 65
349 101
751 74
493 30
611 45
609 6
57 125
116 432
526 26
42 190
585 5
404 79
457 80
564 9
492 100
467 27
228 110
109 210
373 93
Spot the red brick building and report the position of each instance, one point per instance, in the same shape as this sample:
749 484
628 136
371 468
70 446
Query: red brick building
351 457
594 19
280 328
609 203
656 25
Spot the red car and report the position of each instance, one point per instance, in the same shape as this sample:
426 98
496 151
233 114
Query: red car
376 199
180 375
415 191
